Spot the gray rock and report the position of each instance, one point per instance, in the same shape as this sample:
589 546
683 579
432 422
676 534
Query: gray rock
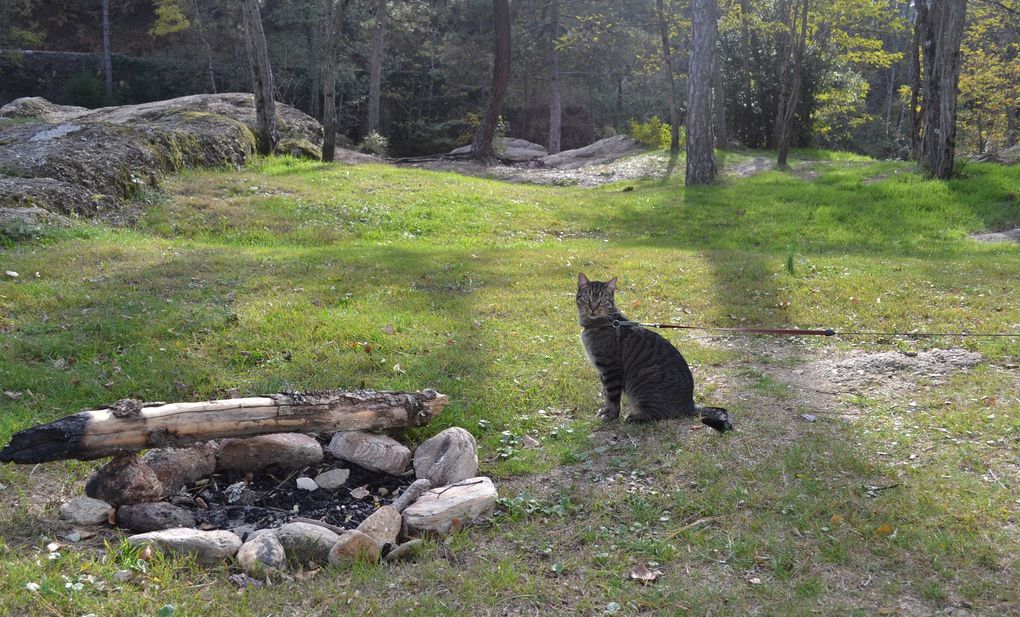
180 467
86 511
512 149
371 451
261 555
383 525
449 457
125 480
307 484
153 517
602 151
207 546
305 542
411 494
282 451
332 479
403 551
354 545
444 509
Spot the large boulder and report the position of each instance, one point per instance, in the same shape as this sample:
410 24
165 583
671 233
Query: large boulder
602 151
81 161
511 149
123 481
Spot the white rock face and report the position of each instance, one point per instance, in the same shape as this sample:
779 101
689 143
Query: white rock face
304 542
307 484
602 151
450 456
512 148
86 511
207 546
332 479
371 451
442 509
383 525
261 554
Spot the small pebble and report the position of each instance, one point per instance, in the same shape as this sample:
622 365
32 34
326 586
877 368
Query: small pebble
307 484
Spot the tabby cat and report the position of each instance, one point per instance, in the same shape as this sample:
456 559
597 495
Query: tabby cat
638 362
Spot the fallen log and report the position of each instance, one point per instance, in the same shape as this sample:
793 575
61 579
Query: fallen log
129 426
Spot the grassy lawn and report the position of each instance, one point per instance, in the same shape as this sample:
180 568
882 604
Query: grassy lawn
289 274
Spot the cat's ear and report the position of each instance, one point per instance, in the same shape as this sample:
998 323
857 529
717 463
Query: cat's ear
582 281
611 284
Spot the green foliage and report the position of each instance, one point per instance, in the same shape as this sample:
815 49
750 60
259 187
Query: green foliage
171 17
655 133
85 90
374 143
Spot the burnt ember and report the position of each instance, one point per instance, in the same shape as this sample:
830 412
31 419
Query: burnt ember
268 500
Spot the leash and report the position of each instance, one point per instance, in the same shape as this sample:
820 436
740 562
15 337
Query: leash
621 323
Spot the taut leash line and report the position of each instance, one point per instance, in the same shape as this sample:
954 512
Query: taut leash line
618 323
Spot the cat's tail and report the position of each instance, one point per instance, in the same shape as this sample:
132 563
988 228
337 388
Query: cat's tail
715 417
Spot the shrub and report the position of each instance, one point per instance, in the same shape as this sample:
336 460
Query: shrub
654 133
375 144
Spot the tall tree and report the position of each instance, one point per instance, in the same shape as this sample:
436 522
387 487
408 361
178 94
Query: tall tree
700 148
941 25
262 77
791 74
718 102
481 148
333 16
107 56
375 66
555 112
664 19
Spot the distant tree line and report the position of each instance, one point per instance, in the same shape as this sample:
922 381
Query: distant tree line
881 77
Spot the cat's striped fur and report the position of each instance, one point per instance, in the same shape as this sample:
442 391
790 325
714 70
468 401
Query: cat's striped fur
637 362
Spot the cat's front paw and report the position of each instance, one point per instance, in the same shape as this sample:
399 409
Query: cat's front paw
608 414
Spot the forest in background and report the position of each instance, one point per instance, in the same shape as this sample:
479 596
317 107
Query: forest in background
858 72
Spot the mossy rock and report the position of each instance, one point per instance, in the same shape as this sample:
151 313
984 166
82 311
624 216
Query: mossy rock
299 148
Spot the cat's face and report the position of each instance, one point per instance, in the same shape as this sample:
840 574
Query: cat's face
595 299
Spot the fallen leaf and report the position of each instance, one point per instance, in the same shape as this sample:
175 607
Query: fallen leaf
359 493
754 581
836 519
885 610
642 573
884 529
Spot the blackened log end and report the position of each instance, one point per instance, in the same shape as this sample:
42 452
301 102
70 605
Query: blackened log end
50 442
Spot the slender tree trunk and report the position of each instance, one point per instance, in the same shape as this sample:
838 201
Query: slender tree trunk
262 77
333 15
107 55
718 102
700 153
789 96
375 66
745 49
915 89
667 68
942 25
203 36
315 77
1011 121
482 148
890 95
555 113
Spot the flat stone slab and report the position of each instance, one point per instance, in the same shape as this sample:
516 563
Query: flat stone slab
153 517
333 479
207 546
443 509
371 451
1010 235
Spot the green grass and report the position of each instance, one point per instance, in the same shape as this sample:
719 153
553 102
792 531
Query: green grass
288 274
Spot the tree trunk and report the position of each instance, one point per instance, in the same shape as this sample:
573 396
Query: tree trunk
375 66
262 77
667 68
482 148
1011 120
555 113
718 102
700 153
745 65
915 90
942 25
789 95
333 16
128 426
107 55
